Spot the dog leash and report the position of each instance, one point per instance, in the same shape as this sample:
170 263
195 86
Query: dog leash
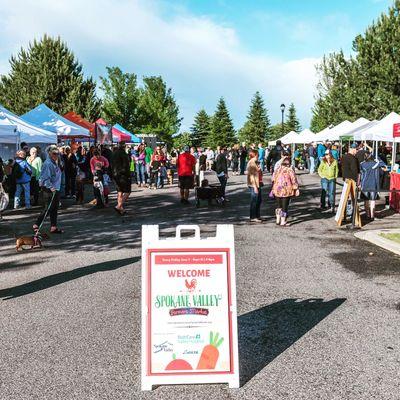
45 215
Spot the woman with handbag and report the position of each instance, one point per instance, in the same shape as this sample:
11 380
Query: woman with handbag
254 183
284 187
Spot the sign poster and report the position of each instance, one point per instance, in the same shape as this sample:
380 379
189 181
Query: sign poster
396 130
190 329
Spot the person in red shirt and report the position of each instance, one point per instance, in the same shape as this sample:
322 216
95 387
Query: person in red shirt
186 165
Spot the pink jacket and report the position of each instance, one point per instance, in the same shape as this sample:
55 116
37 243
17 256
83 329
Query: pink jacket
285 182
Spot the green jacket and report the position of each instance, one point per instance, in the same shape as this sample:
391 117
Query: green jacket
36 167
328 171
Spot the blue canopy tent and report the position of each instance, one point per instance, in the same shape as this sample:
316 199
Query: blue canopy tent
134 138
46 118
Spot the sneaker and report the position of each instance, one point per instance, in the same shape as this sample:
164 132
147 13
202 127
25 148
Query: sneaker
256 220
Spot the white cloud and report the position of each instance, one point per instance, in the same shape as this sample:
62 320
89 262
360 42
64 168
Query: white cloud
199 58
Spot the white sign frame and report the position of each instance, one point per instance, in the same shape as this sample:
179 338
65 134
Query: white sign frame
222 242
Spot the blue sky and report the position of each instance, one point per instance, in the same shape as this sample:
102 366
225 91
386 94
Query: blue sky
203 48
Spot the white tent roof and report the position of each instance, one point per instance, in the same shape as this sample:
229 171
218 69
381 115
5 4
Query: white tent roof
382 131
8 131
29 133
322 135
48 119
358 131
305 136
289 137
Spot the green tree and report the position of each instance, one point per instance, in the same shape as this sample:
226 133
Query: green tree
158 112
121 98
200 129
292 122
222 130
257 127
182 139
276 131
48 72
366 84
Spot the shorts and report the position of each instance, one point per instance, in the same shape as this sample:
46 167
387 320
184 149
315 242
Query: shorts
123 183
186 182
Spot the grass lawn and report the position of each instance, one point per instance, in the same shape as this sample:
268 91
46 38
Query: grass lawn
392 236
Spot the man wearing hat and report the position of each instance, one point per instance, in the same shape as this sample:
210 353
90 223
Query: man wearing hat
186 165
50 182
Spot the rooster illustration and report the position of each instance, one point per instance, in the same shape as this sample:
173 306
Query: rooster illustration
192 285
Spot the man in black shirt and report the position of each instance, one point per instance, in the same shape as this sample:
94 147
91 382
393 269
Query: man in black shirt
350 170
350 164
274 156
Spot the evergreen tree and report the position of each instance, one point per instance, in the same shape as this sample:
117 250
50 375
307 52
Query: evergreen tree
366 84
182 139
292 122
200 129
48 72
158 112
256 128
277 132
121 98
222 130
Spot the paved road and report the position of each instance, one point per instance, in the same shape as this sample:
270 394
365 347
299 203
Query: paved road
318 315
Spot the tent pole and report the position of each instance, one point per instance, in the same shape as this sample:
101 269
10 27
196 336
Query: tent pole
393 153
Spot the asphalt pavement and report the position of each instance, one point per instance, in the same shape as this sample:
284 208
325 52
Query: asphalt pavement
318 309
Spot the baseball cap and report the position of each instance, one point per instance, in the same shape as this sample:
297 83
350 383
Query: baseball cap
186 148
353 146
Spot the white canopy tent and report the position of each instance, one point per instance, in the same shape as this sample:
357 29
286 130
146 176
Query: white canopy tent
357 133
334 133
304 137
28 132
323 135
382 131
289 138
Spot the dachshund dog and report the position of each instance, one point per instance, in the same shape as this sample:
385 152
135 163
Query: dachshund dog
33 241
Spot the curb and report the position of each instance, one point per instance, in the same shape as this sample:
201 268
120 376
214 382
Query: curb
376 238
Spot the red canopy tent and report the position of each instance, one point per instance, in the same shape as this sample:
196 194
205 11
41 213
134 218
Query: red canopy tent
77 119
120 136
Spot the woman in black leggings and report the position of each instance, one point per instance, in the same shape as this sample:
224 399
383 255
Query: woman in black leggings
284 187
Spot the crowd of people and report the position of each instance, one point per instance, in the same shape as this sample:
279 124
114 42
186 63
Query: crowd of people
63 172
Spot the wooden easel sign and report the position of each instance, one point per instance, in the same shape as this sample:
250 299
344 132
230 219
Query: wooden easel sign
189 317
348 193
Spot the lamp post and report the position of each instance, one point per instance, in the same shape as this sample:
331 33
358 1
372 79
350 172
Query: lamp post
283 112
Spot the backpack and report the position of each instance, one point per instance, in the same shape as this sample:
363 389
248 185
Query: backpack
17 170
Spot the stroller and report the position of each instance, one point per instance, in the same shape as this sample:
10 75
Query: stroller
209 193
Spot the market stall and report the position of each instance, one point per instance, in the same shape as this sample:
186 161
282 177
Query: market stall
28 132
48 119
117 128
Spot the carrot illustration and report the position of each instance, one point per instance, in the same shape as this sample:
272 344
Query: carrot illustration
177 364
210 354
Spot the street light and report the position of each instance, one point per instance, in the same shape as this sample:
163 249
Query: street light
283 112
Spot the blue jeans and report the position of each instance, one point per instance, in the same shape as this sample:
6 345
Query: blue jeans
311 168
26 187
255 203
262 164
140 173
222 181
328 189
